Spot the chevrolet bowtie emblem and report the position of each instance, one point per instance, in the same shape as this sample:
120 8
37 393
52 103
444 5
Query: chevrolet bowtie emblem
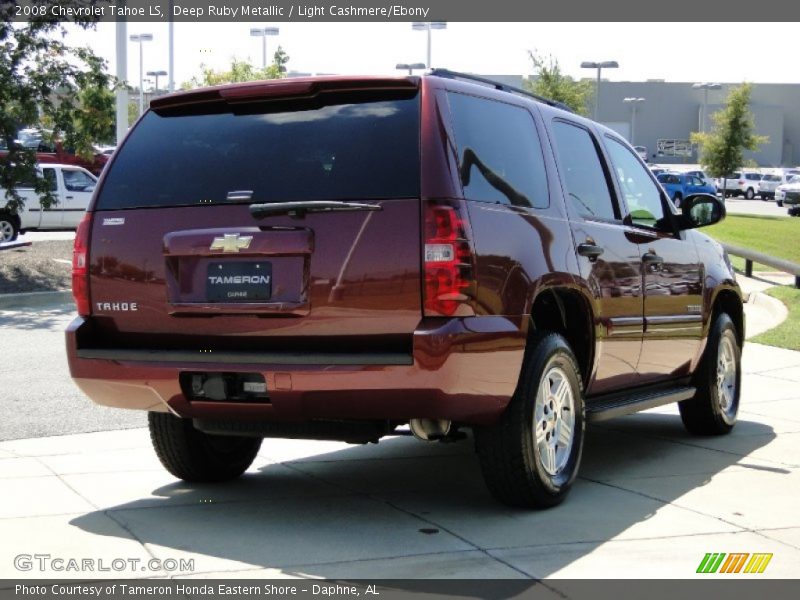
231 242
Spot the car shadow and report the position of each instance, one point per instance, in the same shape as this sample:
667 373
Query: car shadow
25 314
364 512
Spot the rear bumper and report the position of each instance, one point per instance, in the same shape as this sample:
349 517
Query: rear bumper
463 369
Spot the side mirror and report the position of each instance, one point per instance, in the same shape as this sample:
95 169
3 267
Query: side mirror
701 210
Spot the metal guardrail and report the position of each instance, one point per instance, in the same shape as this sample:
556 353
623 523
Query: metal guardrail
751 256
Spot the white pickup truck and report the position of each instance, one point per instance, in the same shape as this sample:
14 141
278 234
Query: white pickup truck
71 186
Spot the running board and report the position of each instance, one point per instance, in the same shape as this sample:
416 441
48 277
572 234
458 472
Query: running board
618 405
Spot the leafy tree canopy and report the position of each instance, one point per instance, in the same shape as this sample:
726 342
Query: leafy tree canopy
44 82
722 148
240 70
550 82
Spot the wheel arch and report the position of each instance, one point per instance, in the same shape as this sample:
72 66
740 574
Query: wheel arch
566 311
729 301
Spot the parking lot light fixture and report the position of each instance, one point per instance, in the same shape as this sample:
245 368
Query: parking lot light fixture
263 33
140 38
705 87
634 102
607 64
428 26
411 67
156 74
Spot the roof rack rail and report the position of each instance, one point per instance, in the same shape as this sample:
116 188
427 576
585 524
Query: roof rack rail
448 74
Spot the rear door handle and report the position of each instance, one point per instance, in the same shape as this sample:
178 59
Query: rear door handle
651 258
591 251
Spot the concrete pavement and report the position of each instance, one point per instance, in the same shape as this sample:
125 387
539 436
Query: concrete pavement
650 502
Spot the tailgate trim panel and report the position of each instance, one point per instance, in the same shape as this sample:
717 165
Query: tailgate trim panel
250 358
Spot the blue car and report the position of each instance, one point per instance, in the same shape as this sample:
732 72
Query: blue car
680 185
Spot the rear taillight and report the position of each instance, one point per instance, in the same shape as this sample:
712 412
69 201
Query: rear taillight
741 182
80 267
447 258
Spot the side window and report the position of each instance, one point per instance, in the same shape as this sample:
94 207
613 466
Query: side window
50 176
77 181
499 152
582 170
641 195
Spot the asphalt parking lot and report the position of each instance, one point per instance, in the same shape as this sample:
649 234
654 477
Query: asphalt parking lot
757 206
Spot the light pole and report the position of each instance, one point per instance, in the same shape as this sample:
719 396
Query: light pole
171 44
608 64
634 102
156 74
410 66
122 75
140 38
705 87
427 26
263 32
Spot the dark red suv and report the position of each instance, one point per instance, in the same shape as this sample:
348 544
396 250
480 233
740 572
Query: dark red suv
335 258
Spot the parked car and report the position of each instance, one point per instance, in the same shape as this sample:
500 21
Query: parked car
681 185
55 152
406 258
710 181
72 188
770 182
740 184
789 193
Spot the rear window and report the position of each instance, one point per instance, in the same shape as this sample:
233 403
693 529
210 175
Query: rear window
772 177
364 150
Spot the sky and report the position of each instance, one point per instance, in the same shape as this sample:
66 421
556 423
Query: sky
691 52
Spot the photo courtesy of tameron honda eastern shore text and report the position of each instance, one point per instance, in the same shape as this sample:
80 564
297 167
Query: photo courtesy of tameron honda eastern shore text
338 257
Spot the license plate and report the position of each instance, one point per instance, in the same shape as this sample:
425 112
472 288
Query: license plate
239 281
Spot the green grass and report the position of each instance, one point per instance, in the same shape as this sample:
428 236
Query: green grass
787 334
775 236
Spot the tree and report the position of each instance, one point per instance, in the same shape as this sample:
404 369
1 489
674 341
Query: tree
240 70
549 82
44 79
722 149
98 115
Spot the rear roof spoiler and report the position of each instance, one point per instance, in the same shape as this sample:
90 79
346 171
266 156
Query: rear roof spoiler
254 91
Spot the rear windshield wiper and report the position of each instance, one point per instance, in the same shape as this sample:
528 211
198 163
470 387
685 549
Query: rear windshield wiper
299 209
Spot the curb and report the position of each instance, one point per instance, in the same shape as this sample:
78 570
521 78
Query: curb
765 313
34 299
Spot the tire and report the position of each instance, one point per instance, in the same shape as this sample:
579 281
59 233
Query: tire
199 457
519 471
713 409
677 200
9 228
764 197
750 194
780 203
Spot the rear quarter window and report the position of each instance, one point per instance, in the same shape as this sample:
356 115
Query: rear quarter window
358 150
499 152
